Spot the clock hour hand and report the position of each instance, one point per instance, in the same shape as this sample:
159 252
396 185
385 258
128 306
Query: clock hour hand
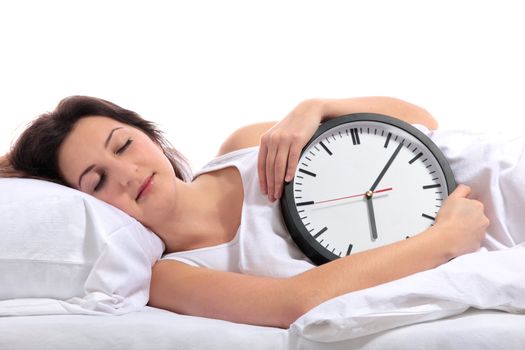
371 215
385 168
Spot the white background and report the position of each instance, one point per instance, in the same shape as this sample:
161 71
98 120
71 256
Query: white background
201 69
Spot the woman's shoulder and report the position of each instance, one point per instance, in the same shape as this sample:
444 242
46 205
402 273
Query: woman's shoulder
244 137
239 158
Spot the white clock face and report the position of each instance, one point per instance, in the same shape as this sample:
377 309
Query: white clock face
405 183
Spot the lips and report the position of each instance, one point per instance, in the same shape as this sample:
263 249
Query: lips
145 187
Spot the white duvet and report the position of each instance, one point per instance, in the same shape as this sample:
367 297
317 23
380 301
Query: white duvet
483 280
493 278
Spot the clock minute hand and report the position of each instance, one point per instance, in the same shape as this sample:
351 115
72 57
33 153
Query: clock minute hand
385 168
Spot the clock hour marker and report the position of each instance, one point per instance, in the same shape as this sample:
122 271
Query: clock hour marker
387 139
355 136
428 216
349 250
323 230
307 172
415 158
431 186
325 148
304 203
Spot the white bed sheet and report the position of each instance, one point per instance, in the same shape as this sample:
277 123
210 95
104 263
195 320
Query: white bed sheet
150 328
162 330
474 329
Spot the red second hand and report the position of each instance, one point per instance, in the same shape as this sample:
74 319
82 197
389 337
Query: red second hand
355 195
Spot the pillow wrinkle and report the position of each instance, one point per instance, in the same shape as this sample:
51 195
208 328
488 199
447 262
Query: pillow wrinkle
64 251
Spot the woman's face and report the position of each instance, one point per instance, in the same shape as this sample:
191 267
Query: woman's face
120 165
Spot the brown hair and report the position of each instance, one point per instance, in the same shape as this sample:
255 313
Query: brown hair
35 152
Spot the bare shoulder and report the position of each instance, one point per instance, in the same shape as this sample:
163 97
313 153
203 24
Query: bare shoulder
246 136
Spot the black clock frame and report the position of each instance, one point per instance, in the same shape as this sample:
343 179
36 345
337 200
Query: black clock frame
300 235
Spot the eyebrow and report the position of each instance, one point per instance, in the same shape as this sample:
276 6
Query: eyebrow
92 166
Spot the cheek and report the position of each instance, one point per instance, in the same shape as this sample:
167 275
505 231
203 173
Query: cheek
151 151
121 203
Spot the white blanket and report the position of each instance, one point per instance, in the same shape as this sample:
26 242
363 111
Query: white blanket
494 166
483 280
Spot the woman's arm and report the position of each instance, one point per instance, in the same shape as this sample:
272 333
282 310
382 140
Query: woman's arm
393 107
246 136
281 145
459 228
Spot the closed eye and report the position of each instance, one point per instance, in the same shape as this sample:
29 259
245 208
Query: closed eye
100 182
103 176
124 147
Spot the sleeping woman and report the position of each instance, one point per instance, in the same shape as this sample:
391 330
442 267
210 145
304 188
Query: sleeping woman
228 254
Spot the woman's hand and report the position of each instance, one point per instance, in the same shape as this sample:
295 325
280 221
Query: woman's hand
280 147
462 221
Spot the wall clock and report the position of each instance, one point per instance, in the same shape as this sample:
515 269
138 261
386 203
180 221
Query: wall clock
364 180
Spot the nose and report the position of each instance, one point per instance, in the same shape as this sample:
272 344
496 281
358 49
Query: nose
126 174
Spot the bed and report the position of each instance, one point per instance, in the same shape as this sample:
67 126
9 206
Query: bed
78 277
157 329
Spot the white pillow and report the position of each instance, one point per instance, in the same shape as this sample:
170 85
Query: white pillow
63 251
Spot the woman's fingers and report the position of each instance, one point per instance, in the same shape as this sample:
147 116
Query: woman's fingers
271 153
261 167
461 191
273 164
293 160
462 221
281 160
281 146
